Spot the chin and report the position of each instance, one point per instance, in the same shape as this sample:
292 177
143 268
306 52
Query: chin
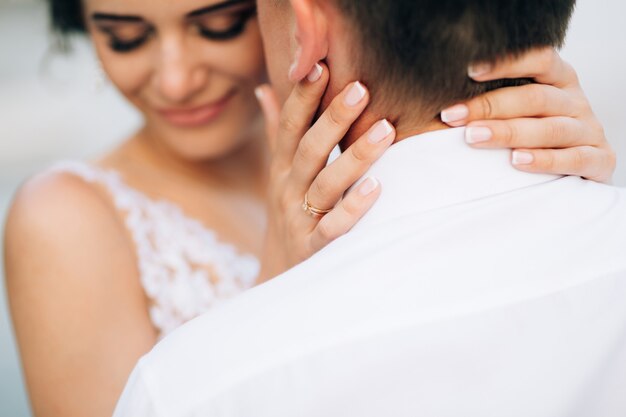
209 144
214 141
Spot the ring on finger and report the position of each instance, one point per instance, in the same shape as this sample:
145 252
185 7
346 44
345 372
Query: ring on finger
312 210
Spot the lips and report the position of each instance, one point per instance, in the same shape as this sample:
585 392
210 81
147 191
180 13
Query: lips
196 116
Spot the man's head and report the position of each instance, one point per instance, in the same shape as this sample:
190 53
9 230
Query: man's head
412 54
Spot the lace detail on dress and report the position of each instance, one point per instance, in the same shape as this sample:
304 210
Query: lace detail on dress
184 269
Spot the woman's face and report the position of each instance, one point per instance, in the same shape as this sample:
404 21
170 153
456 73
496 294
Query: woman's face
190 66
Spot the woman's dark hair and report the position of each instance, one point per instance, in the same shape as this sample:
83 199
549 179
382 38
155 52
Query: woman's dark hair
67 16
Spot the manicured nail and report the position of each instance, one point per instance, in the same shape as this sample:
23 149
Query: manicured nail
258 92
522 158
315 74
380 132
455 113
478 134
356 93
478 70
368 186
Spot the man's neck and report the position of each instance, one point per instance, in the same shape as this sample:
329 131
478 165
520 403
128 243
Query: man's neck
408 132
403 130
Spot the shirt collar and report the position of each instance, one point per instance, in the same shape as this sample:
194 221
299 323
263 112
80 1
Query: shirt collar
438 169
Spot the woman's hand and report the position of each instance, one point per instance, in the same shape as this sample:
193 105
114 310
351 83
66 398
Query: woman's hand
550 125
308 204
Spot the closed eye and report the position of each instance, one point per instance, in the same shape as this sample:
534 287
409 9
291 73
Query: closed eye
225 26
123 46
126 37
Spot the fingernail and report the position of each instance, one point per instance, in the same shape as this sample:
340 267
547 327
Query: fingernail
522 158
258 92
380 132
478 70
315 74
478 134
455 113
356 93
368 186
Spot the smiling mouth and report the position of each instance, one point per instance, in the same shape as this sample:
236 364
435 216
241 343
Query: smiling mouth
197 116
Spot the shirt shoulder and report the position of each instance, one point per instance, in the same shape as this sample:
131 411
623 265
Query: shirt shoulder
137 399
420 269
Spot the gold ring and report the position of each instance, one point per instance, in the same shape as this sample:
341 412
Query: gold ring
313 211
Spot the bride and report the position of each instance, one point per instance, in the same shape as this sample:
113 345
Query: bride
104 258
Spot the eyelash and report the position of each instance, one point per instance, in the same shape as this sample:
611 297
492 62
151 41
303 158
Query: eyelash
235 30
231 33
120 46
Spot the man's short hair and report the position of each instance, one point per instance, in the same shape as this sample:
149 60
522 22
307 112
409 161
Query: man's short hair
421 49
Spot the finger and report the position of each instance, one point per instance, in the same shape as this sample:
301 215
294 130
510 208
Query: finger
533 100
589 162
550 132
298 112
347 213
317 144
544 65
332 183
271 112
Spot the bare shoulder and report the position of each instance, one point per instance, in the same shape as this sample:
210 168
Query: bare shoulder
78 308
59 208
57 220
55 191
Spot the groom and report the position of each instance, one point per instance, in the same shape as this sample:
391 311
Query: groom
470 289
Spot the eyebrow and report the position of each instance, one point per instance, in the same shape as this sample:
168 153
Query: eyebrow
215 7
138 19
117 18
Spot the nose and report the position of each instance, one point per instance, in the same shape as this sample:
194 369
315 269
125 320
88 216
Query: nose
178 76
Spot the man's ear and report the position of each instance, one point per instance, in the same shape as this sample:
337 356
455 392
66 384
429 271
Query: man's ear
311 37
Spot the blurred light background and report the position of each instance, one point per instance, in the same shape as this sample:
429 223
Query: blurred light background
52 108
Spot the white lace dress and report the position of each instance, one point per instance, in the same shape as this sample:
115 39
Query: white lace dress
184 268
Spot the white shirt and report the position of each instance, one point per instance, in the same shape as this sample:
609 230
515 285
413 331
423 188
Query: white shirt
470 289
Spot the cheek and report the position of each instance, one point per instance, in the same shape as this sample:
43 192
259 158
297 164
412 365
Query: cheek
242 59
278 52
130 73
278 71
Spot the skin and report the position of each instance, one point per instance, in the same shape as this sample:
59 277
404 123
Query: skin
557 108
554 112
80 317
